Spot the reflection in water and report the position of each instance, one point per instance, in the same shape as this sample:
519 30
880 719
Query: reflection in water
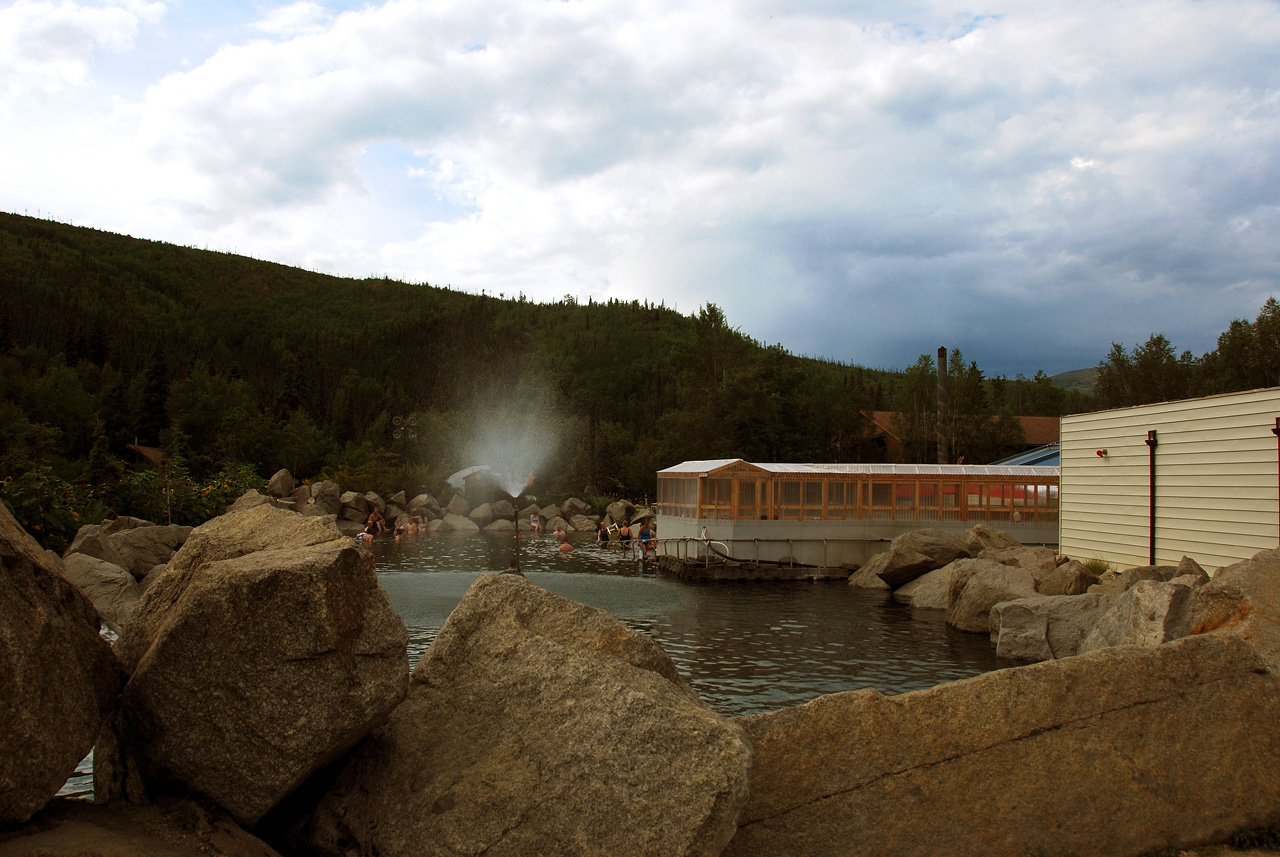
745 647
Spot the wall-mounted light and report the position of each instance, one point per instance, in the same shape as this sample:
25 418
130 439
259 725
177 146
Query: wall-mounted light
1102 453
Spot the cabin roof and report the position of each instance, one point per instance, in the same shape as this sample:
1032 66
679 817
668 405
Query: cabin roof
716 466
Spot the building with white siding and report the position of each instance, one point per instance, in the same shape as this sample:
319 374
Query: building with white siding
1150 484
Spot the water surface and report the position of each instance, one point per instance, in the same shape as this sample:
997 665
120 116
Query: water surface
744 647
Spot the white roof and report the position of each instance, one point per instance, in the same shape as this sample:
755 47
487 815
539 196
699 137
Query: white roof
701 468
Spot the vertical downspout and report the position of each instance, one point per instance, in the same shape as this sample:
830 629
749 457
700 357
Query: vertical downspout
942 406
1276 432
1151 444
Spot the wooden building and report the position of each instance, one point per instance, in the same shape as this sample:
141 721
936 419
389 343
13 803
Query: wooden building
1149 484
834 514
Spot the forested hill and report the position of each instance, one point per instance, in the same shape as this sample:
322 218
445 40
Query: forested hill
222 359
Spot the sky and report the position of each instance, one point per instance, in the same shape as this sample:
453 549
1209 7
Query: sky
859 181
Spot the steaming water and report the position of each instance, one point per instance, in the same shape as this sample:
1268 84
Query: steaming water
744 647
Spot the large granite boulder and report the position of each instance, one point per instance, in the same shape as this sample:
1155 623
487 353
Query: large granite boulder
1113 583
1046 626
281 484
356 502
1121 752
124 522
868 576
1147 614
929 591
353 514
113 591
537 725
1244 599
143 548
620 512
1070 578
585 524
58 678
92 540
458 505
549 526
977 585
981 536
424 503
326 499
174 828
250 499
452 523
482 515
1189 568
574 506
261 528
262 653
1041 562
920 551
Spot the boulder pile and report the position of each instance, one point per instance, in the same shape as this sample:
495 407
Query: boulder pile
537 725
259 693
1037 606
351 510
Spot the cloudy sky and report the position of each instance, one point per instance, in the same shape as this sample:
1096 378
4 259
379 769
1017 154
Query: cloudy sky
864 181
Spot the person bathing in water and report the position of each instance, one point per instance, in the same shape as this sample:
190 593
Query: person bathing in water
646 537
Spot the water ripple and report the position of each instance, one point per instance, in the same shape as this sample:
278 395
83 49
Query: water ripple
744 647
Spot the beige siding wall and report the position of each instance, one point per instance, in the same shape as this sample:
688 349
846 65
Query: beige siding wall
1216 481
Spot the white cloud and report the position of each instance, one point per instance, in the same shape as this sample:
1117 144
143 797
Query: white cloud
47 46
853 180
294 19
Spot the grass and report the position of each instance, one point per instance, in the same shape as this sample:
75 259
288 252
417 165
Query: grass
1097 566
1266 838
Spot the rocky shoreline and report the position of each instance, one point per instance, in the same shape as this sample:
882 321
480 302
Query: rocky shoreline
351 509
258 701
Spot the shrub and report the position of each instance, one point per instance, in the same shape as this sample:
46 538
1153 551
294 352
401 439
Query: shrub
1097 566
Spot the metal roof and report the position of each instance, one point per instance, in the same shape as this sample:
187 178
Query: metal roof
704 468
1047 455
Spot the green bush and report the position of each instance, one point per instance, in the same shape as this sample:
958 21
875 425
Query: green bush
48 508
52 509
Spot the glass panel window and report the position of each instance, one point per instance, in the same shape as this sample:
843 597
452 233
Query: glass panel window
835 499
747 500
881 501
927 500
791 493
812 495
